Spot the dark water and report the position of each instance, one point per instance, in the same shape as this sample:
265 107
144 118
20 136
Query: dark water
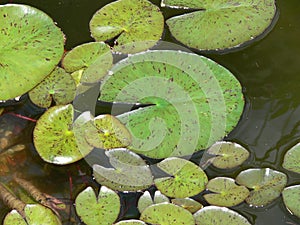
269 71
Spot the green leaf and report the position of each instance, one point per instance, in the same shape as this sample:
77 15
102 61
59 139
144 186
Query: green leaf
219 24
54 136
193 101
188 204
146 200
226 192
92 209
167 213
219 216
31 46
267 185
136 24
291 159
14 218
131 222
291 199
227 155
129 172
59 85
187 179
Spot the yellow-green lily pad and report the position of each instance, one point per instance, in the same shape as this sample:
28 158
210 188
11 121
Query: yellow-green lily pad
291 199
188 204
146 200
291 159
131 222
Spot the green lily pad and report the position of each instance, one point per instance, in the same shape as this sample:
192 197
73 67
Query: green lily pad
54 136
219 24
146 200
267 185
92 209
108 133
129 172
193 101
131 222
167 213
188 204
31 46
219 216
226 192
95 59
136 24
35 214
187 179
59 85
227 155
291 199
291 159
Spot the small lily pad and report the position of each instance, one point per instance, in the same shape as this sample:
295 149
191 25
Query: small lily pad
188 204
59 85
130 172
92 209
267 185
136 24
146 200
31 46
227 154
131 222
94 59
226 192
291 199
219 24
54 137
291 160
166 214
187 179
219 216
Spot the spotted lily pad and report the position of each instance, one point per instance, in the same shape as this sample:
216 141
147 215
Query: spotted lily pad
136 24
59 85
187 179
146 200
292 159
54 136
227 154
219 24
226 192
219 216
35 214
291 199
129 172
92 209
31 46
167 213
267 185
131 222
188 204
193 101
94 59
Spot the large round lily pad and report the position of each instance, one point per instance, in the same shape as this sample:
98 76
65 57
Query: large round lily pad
219 24
216 215
291 199
267 185
136 24
93 209
188 204
187 179
31 46
292 159
166 214
194 101
146 200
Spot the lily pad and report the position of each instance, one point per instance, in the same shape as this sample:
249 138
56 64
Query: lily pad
267 185
95 59
31 46
226 192
59 85
291 199
54 136
219 216
219 24
188 204
136 25
146 200
167 213
193 101
131 222
130 172
227 155
291 160
109 133
92 209
187 179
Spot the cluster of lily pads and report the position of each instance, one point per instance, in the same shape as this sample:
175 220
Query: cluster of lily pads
190 103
